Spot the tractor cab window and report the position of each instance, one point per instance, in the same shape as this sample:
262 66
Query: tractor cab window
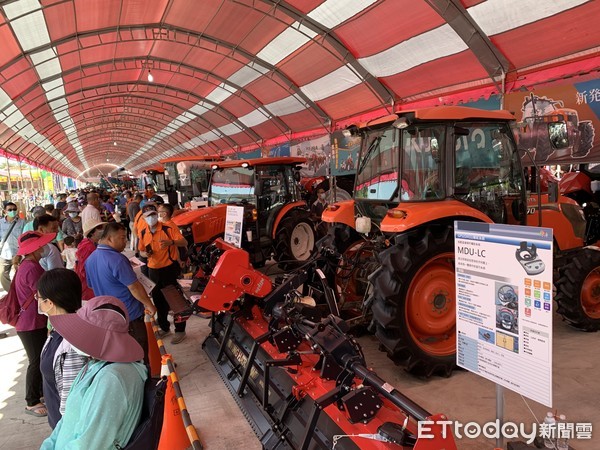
421 155
199 178
558 134
232 185
272 185
377 176
486 167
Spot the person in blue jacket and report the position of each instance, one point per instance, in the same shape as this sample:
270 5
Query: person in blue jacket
105 402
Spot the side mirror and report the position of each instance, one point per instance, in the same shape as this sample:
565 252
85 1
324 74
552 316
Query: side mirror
460 131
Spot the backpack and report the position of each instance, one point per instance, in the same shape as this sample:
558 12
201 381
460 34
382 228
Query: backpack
10 309
146 435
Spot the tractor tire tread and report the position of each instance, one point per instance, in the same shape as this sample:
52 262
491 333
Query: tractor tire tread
569 286
389 284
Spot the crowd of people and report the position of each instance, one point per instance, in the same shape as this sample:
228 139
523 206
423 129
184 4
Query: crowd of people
82 307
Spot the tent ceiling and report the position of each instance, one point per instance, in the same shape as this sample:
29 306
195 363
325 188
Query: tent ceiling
236 74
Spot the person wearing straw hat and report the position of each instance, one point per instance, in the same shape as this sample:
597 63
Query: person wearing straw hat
92 230
73 225
31 325
105 402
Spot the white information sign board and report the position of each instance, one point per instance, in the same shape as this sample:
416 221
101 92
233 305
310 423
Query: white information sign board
234 222
504 305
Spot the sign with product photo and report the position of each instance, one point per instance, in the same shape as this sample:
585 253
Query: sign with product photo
504 305
234 222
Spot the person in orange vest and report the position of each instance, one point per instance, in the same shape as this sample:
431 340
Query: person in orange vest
160 242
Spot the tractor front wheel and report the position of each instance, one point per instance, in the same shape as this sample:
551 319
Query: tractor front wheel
295 237
414 301
578 291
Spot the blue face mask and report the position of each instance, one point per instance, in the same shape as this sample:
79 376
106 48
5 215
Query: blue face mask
151 220
12 214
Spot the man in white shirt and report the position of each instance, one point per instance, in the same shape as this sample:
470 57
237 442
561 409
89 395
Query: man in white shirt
91 213
9 223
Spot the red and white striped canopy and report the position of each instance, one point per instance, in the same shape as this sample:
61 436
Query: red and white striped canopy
237 74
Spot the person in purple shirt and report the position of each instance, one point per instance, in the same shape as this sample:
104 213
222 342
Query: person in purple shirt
31 326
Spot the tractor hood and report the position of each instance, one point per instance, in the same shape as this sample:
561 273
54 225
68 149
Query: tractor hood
195 215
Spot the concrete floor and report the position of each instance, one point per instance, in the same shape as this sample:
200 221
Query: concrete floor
221 425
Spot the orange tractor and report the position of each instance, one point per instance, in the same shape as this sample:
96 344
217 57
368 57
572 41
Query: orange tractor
574 214
276 219
418 172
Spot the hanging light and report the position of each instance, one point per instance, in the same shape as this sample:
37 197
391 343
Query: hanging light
115 143
150 77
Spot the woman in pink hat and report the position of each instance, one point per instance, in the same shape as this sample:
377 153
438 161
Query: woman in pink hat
31 326
105 401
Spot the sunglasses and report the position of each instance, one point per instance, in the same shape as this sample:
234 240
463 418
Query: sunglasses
11 209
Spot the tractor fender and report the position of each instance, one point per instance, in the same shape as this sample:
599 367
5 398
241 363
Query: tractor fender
283 212
340 212
411 215
564 218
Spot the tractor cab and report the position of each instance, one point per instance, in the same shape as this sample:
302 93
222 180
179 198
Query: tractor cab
410 161
190 176
276 218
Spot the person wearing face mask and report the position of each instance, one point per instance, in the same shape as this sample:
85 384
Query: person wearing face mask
58 292
319 205
160 241
11 228
316 211
31 326
51 257
73 225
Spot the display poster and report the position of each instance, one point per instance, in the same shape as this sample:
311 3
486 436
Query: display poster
280 150
504 305
252 154
560 123
344 153
234 222
317 153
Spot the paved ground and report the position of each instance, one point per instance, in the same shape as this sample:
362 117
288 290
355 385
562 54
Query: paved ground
221 425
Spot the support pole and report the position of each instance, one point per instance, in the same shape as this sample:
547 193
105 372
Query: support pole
500 414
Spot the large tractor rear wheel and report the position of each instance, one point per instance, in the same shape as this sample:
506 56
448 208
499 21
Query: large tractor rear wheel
578 291
295 237
414 304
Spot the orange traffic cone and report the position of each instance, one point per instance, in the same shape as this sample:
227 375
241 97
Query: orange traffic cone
153 351
173 435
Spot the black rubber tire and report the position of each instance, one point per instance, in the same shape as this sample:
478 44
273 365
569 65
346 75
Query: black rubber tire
391 283
569 289
285 231
543 147
586 139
